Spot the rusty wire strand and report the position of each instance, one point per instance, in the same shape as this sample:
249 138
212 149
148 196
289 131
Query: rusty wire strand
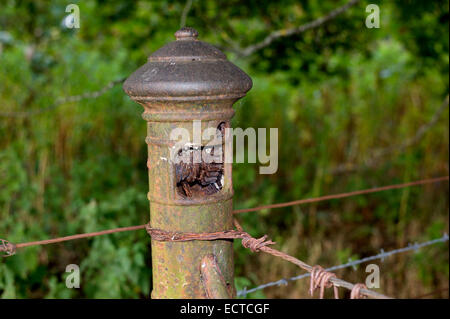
4 249
381 256
321 277
324 277
336 282
162 235
8 248
256 245
253 244
342 195
356 291
12 251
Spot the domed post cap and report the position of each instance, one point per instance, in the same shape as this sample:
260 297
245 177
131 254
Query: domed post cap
187 69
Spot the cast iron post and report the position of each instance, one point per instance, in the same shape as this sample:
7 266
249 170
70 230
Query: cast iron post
188 84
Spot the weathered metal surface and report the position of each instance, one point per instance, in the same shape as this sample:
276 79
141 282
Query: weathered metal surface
213 281
187 69
187 80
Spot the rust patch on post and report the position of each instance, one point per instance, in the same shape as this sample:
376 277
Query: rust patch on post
213 280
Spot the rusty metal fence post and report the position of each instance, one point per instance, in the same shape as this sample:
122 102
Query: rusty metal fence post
187 83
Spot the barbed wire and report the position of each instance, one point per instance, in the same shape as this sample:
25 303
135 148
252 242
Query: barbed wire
320 278
62 100
382 255
342 195
5 246
10 248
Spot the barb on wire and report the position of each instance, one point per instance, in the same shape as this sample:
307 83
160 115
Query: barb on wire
63 100
380 256
326 279
320 278
356 291
7 248
245 52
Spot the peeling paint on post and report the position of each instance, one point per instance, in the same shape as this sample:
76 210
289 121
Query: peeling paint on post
187 80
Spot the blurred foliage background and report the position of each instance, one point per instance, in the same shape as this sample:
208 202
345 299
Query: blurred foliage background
340 95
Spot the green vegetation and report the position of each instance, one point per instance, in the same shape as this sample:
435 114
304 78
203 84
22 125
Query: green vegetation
337 94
